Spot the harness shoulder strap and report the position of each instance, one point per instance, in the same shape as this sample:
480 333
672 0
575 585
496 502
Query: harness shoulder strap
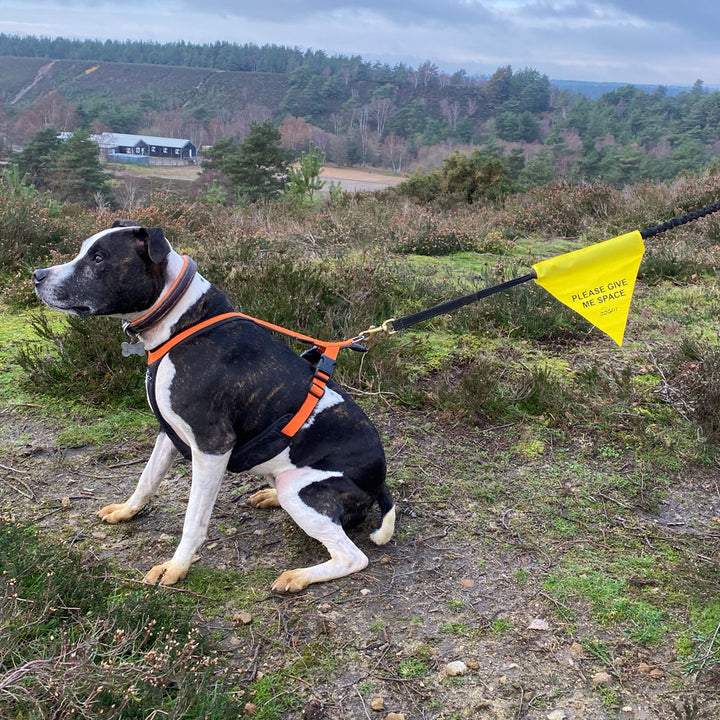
323 370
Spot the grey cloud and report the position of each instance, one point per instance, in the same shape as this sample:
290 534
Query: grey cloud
420 12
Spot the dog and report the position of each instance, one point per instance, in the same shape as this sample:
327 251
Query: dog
222 394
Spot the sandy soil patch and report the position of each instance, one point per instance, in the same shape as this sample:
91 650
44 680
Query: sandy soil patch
351 179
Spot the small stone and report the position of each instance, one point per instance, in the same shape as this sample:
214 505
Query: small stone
378 704
657 674
557 715
601 678
325 607
643 667
242 617
365 591
455 668
577 649
395 716
539 624
467 583
250 709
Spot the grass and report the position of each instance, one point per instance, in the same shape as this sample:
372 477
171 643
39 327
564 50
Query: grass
610 602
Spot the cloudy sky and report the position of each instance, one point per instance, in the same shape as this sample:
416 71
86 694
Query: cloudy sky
667 42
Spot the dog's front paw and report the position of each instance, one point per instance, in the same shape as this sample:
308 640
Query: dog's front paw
167 573
115 513
291 581
266 498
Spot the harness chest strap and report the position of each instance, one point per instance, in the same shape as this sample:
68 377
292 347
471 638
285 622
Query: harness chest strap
323 371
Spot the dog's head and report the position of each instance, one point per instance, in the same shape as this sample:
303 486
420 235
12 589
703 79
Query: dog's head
118 271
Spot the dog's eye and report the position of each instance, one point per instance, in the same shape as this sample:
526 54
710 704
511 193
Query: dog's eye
97 258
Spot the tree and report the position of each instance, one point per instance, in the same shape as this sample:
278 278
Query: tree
77 174
304 180
257 168
394 148
37 158
70 169
295 132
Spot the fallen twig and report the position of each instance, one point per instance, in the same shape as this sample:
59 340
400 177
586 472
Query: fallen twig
29 494
15 470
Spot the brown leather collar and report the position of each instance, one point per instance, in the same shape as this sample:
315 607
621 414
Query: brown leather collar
165 303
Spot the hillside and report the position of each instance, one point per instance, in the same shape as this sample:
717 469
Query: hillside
356 112
24 80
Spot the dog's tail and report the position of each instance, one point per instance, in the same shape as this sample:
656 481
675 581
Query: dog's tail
387 523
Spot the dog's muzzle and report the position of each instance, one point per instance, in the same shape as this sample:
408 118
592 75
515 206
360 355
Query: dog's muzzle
39 276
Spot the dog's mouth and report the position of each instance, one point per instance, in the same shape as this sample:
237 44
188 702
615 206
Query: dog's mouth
72 309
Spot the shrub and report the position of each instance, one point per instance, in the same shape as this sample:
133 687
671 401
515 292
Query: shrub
696 383
561 208
671 261
462 179
31 227
80 359
495 388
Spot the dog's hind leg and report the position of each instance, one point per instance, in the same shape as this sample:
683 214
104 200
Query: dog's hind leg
157 466
345 556
207 473
265 498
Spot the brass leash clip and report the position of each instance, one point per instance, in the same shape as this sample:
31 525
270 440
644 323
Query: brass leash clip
386 327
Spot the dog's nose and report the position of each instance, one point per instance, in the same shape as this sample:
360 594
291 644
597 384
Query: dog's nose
39 275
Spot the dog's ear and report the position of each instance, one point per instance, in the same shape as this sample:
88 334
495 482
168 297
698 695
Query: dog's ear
155 242
124 223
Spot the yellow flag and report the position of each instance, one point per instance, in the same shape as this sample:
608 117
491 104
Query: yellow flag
596 281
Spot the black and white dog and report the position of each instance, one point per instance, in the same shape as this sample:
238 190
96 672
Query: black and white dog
220 391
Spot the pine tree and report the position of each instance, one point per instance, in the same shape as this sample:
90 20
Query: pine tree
305 180
258 168
37 158
77 174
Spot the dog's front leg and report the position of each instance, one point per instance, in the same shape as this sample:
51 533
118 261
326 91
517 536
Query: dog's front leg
157 466
207 473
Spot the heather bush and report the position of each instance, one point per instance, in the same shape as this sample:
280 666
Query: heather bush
31 227
561 208
695 384
80 359
333 270
77 643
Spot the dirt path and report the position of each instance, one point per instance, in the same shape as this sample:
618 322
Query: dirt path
353 180
449 588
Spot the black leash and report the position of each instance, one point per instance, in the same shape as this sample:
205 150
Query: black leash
682 220
450 305
394 324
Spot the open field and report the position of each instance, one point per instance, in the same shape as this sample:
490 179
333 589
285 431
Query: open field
350 179
558 496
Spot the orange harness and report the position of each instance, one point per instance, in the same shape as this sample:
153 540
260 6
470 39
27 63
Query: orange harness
323 370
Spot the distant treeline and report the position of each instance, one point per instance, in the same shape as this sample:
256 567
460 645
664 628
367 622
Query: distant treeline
361 113
218 55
